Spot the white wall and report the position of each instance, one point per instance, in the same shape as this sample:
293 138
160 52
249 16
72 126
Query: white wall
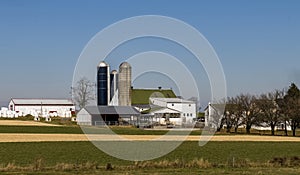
83 117
62 111
186 109
211 116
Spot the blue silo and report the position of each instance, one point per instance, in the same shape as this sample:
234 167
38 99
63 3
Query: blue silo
103 84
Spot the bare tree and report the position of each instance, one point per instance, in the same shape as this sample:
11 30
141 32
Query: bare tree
284 116
83 92
233 114
269 113
249 110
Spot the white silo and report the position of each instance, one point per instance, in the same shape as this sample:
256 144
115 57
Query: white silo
124 85
113 83
103 85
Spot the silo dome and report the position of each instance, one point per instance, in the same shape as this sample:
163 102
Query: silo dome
103 64
114 72
125 65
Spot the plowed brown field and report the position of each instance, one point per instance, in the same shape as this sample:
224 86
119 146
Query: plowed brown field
15 137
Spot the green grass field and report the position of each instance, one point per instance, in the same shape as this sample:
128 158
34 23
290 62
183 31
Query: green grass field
78 130
188 158
216 152
41 129
74 129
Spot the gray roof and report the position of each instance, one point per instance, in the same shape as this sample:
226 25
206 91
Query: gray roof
172 100
219 107
44 101
122 110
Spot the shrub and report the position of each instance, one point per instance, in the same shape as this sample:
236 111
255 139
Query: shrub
286 161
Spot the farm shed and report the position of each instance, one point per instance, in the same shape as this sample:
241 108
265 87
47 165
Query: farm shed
43 107
110 115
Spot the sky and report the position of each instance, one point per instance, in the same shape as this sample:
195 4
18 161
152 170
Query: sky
257 42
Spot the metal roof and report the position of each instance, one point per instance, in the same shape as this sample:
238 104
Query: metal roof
172 100
29 101
125 65
103 64
122 110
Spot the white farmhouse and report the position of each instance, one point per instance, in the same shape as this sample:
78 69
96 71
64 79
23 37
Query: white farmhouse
42 107
174 110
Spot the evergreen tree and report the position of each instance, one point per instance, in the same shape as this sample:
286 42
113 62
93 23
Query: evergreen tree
292 106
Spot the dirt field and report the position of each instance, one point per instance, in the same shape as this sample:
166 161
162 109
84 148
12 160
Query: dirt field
24 123
9 137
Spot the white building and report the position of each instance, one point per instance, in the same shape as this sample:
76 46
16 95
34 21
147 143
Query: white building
4 112
174 110
42 107
214 114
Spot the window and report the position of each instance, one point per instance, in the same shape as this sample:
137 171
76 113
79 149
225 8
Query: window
183 114
189 105
172 104
191 114
187 114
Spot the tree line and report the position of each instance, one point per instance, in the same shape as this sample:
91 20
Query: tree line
267 110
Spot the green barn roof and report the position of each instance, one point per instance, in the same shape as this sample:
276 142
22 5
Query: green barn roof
141 96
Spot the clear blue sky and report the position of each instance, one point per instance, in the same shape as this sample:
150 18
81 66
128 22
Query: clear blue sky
257 41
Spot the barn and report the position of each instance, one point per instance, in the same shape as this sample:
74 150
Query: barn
109 115
44 107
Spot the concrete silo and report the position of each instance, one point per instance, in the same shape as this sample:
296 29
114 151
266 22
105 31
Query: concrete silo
113 83
124 85
103 84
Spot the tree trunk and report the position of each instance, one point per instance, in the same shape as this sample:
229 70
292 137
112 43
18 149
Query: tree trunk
285 129
235 129
248 127
228 125
272 130
294 126
221 126
228 129
294 132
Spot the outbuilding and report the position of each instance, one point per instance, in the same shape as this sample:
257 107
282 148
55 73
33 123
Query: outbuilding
109 115
42 107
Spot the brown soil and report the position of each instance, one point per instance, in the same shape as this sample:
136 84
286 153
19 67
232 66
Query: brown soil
11 137
24 123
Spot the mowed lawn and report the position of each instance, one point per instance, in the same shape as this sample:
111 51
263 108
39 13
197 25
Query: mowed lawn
118 130
52 153
78 130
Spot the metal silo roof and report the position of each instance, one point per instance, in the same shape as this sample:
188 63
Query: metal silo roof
103 64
